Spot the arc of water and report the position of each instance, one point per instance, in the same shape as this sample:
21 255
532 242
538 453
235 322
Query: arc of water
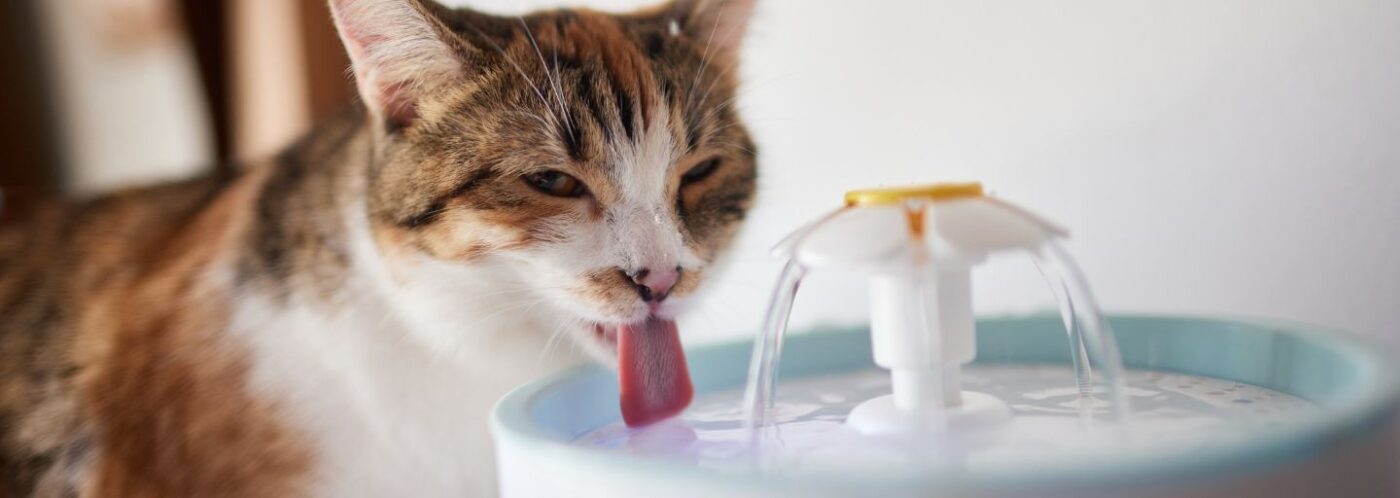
768 349
1090 335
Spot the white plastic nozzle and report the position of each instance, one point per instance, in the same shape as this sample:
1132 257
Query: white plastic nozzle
921 328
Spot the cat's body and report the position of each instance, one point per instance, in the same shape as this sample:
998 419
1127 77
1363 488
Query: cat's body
338 321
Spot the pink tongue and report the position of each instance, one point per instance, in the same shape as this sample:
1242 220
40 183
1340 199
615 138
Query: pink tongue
652 372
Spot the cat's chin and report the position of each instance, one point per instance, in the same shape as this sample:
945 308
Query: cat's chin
606 335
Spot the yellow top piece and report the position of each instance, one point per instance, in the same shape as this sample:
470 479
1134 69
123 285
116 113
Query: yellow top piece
895 195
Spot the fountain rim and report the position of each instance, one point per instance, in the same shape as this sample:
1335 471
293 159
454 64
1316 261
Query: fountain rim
1369 405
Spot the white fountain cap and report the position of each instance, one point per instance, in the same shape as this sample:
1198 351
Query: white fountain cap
918 244
965 223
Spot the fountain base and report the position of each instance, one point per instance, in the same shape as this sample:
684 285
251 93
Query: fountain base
1344 432
880 417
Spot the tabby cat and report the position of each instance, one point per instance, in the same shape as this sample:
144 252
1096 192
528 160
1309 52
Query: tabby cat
337 321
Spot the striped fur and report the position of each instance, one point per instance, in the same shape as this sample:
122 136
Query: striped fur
336 322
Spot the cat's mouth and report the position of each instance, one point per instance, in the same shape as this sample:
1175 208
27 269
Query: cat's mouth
605 334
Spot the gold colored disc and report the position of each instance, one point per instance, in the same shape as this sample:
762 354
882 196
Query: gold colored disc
895 195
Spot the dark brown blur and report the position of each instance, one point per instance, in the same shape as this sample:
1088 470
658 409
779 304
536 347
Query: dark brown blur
29 160
86 104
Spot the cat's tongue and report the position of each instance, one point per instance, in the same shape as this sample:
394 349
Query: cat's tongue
651 371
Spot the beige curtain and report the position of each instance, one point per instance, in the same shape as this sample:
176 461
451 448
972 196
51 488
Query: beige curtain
289 71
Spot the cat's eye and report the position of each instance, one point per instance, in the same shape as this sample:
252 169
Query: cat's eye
556 183
700 172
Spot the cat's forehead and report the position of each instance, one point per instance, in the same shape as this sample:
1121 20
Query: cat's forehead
602 84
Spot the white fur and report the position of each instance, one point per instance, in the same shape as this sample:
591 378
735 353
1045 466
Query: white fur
393 383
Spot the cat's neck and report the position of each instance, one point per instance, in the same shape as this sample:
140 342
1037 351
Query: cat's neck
297 245
383 375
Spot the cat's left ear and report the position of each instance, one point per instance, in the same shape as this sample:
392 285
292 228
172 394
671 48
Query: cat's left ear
721 24
401 53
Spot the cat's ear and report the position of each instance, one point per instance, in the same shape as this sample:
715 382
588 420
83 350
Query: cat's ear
400 52
722 24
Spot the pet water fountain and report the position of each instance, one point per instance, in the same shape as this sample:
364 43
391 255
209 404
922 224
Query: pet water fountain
929 401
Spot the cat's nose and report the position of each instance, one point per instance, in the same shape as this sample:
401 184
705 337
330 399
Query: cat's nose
654 285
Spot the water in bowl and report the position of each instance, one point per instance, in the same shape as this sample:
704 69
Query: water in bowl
1172 413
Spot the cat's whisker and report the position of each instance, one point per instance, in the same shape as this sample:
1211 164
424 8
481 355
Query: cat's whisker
746 119
560 333
558 86
512 292
551 77
554 336
714 82
715 111
729 33
704 61
544 125
509 60
748 87
722 143
740 92
512 307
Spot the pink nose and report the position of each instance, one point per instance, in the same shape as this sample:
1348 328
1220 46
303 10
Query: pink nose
654 285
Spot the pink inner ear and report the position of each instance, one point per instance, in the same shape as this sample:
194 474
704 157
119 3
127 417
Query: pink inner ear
396 55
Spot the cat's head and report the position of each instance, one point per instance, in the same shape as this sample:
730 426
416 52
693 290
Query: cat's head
596 160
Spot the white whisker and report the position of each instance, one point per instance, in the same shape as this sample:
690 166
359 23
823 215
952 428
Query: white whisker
551 77
517 68
512 306
704 61
561 331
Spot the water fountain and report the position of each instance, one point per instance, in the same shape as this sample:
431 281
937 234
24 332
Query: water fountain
930 401
919 245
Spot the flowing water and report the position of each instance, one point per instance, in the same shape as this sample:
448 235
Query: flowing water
1090 336
768 348
1090 339
1174 415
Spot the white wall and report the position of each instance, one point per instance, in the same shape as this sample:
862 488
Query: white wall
1233 157
130 107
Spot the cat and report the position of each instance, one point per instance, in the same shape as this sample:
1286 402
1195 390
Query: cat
338 320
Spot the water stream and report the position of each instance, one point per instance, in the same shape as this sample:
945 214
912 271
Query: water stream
768 348
1090 340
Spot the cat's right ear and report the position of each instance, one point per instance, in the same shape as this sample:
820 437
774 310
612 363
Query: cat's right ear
400 51
720 23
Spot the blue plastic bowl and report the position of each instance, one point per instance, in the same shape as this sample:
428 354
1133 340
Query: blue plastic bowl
1346 449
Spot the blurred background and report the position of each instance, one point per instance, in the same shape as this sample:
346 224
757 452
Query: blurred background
1220 157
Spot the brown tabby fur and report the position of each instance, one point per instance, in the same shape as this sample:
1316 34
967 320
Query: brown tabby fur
117 377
